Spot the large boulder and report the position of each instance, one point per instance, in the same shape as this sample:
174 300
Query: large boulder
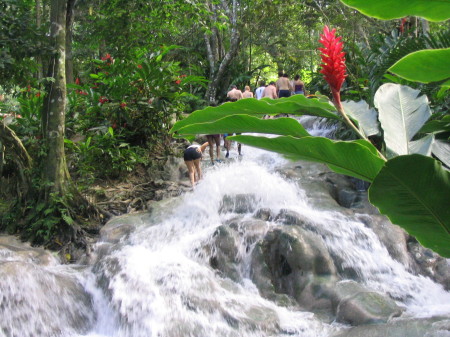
230 244
356 305
295 262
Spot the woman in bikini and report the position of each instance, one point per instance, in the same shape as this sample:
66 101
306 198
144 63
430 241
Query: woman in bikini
192 156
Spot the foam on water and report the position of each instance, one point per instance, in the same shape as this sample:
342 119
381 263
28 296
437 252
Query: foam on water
158 282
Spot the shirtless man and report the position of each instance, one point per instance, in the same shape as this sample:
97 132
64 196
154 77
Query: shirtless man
270 91
284 86
234 94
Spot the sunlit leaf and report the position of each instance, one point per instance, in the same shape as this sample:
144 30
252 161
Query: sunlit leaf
364 115
245 123
425 66
433 10
295 105
358 159
441 150
402 112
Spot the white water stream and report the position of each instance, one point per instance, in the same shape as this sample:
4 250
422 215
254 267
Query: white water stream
158 281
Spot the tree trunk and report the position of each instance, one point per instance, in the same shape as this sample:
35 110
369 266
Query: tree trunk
53 117
38 25
217 71
9 141
425 26
69 35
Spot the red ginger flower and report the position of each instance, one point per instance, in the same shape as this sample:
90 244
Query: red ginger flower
333 62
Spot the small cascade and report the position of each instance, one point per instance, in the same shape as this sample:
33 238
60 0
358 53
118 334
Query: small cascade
219 261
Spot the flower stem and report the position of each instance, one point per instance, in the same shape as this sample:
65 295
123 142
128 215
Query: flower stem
337 103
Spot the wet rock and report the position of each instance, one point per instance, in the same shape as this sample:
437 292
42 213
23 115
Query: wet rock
293 218
225 255
262 277
425 327
367 308
173 169
357 305
13 249
393 237
264 214
232 242
430 264
120 227
240 203
442 272
36 302
295 262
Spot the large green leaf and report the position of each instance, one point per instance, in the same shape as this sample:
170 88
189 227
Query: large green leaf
358 158
402 112
245 123
294 105
437 126
414 192
424 66
433 10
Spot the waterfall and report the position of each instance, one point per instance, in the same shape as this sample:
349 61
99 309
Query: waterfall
158 281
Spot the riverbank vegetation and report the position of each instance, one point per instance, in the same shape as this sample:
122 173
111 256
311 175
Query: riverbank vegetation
89 94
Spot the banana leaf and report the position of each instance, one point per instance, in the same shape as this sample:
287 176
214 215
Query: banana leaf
402 113
414 192
433 10
425 66
295 105
357 158
245 123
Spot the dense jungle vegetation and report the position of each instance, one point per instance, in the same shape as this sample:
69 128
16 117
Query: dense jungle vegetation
90 93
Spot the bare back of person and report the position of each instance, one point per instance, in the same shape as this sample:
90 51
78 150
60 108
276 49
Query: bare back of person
270 91
234 94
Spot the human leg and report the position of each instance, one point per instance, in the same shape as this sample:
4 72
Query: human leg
217 141
239 146
210 139
198 169
191 170
226 143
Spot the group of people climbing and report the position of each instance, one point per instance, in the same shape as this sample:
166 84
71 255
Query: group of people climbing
283 87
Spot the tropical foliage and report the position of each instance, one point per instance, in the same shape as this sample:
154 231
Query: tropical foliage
134 68
412 190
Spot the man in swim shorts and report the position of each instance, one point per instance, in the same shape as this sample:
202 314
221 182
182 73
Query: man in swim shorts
211 140
192 156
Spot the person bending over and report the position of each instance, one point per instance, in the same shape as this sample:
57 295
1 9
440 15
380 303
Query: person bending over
192 156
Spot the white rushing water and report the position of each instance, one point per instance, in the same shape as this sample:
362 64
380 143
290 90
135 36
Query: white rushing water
158 282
